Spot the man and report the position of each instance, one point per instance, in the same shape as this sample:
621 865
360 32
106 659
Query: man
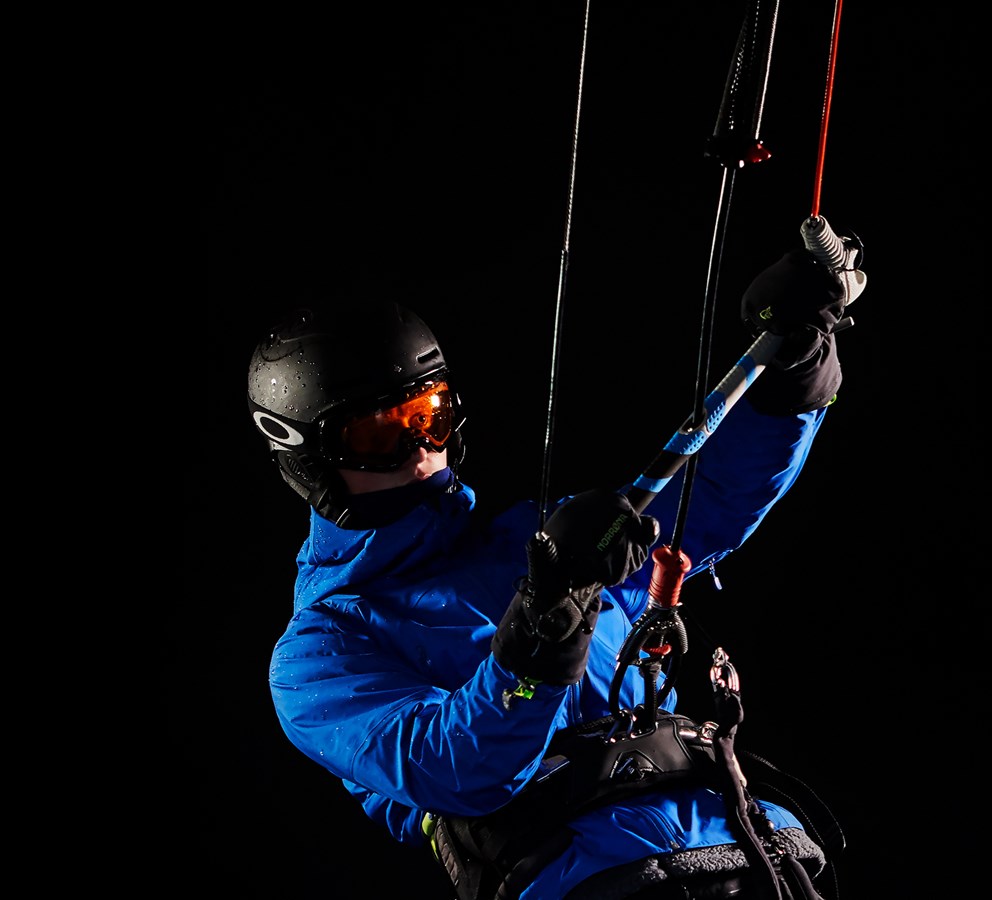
439 661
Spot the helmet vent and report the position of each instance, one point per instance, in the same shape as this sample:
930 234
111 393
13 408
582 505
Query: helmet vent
292 463
305 469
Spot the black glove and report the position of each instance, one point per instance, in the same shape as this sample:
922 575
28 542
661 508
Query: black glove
802 300
592 540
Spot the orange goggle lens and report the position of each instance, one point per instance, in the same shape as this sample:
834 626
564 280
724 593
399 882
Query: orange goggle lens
423 419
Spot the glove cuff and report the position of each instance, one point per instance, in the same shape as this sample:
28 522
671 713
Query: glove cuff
811 384
518 647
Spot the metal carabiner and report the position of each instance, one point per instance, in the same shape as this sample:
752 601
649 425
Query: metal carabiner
723 675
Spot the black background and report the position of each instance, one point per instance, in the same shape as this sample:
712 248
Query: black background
426 150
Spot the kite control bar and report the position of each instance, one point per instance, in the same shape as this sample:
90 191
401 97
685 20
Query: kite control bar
692 434
660 633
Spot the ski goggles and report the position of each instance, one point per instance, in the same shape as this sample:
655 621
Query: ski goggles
385 438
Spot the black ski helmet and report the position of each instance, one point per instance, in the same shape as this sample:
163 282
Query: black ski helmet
317 372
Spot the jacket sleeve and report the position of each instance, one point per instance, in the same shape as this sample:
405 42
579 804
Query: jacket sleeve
353 706
744 468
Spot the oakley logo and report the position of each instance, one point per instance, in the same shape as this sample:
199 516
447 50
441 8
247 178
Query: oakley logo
276 430
612 532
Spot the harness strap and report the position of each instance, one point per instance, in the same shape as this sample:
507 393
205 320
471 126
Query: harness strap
776 874
740 808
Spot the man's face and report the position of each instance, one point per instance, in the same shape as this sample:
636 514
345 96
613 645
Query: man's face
419 467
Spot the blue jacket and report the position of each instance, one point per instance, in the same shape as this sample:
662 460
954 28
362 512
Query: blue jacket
384 675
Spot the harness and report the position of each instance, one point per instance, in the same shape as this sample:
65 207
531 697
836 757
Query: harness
496 856
586 766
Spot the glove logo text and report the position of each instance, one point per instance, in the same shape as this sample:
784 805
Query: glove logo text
612 531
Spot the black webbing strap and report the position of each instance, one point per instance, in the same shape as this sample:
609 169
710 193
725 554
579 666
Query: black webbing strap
783 878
